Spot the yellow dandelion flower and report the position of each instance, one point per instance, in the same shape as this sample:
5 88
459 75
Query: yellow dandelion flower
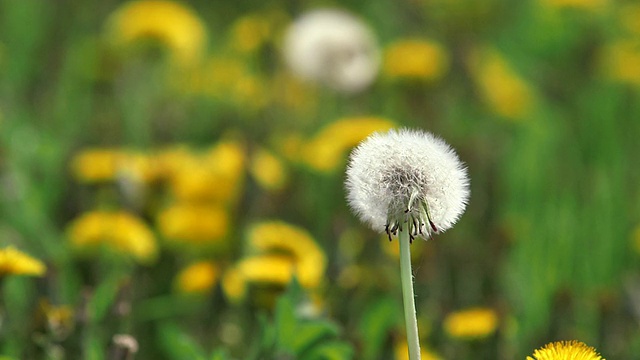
234 284
59 318
250 32
214 176
275 269
565 350
96 165
118 230
275 236
272 269
171 23
194 223
472 323
268 170
197 278
621 61
401 351
139 167
505 92
329 148
15 262
169 160
415 59
100 165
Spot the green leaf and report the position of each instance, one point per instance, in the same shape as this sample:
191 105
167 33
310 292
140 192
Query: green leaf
103 297
334 350
179 345
95 348
311 333
220 354
285 321
376 321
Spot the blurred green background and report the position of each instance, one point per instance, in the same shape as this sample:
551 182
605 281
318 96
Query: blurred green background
173 175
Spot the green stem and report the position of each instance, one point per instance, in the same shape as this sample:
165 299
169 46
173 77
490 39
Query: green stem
410 320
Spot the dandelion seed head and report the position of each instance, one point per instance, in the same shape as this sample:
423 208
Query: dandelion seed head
407 180
332 47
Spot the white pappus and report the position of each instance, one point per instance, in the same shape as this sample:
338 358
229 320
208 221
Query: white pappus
407 180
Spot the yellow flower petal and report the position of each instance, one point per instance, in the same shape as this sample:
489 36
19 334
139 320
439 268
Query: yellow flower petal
194 223
471 323
216 175
15 262
100 165
118 230
505 92
234 284
277 236
199 277
273 269
249 32
171 23
402 352
621 61
565 350
416 59
268 170
328 149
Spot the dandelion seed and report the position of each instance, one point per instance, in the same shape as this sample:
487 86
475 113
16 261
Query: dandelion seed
407 180
332 47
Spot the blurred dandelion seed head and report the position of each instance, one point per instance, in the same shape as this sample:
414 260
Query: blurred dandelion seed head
332 47
407 179
560 350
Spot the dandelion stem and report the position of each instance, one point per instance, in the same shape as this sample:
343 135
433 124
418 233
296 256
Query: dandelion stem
406 278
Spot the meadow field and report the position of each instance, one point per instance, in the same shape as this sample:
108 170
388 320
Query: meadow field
171 188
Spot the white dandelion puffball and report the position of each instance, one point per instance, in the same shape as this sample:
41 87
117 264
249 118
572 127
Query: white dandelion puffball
407 180
334 48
